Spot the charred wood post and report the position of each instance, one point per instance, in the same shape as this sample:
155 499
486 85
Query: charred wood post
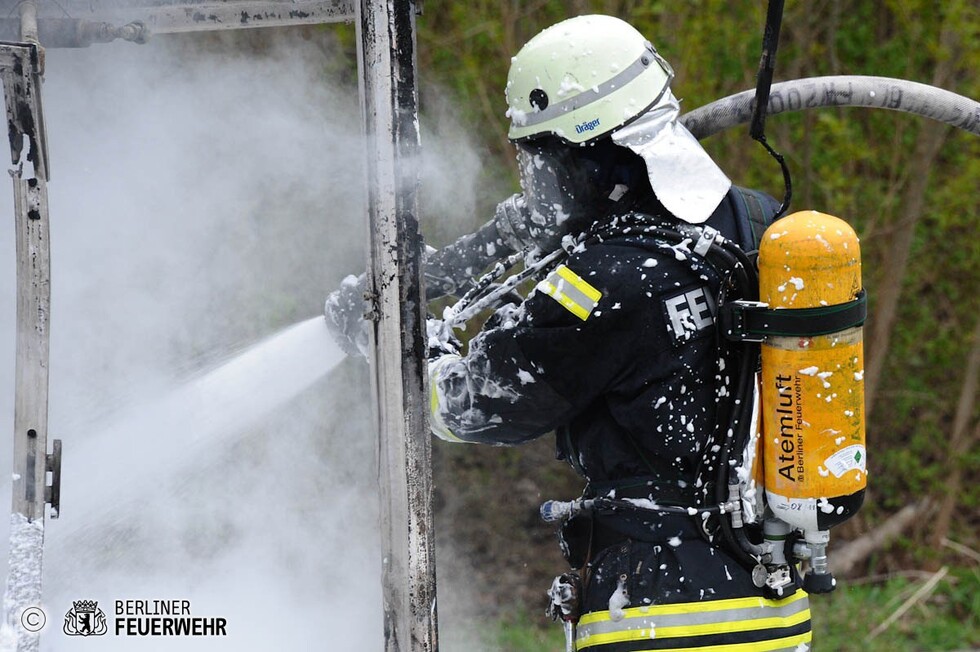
387 64
20 70
81 23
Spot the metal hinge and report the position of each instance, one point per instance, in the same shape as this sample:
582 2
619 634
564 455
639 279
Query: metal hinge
52 464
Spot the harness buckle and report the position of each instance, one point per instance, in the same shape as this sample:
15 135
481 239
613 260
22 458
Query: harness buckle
734 321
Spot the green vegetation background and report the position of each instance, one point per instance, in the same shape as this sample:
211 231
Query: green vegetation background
910 189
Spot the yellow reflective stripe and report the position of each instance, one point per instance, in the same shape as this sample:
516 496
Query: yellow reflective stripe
571 291
678 631
564 300
436 423
695 607
579 283
772 645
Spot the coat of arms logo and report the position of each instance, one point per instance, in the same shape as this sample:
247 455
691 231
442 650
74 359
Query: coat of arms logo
85 619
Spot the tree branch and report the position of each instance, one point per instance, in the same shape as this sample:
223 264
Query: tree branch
930 140
854 552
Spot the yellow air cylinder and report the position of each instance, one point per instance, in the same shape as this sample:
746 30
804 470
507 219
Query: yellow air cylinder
814 452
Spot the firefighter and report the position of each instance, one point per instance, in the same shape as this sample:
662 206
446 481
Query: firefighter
616 350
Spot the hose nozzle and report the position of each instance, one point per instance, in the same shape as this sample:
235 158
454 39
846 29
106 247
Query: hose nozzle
345 310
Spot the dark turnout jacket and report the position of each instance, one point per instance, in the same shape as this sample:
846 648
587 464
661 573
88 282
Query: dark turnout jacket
616 351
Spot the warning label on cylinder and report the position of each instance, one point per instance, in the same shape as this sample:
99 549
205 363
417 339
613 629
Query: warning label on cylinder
846 459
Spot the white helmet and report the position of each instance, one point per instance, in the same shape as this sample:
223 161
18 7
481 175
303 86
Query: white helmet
592 76
582 78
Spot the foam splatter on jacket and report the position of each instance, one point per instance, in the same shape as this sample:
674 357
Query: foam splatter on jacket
616 351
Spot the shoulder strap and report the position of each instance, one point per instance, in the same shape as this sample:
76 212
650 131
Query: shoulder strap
755 209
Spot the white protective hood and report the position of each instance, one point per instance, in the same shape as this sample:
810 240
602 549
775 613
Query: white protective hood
684 178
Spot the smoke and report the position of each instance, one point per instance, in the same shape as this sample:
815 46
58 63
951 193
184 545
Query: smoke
202 200
458 193
199 202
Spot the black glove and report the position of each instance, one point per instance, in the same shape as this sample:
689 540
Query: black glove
344 311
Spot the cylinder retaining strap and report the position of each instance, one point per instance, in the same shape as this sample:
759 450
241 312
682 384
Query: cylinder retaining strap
752 321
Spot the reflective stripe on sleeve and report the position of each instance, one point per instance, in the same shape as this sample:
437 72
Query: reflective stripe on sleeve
733 618
572 291
436 422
